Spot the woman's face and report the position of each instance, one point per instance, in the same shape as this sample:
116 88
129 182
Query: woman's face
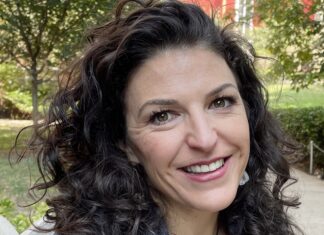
187 126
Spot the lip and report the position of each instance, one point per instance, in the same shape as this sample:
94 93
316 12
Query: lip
209 176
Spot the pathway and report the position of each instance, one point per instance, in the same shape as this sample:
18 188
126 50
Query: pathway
310 215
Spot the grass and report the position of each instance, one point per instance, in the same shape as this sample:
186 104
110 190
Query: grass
14 199
17 178
282 96
9 130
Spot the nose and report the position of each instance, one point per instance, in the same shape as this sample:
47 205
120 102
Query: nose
201 133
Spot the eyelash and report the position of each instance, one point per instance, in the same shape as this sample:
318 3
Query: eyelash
230 99
155 114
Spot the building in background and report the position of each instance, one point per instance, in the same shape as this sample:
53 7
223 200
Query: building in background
230 10
242 11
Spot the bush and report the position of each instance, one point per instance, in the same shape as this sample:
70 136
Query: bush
10 110
20 220
304 125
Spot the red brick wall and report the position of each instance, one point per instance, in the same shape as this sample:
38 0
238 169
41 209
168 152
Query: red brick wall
209 6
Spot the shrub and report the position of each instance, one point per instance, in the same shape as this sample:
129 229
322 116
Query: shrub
304 125
20 220
10 110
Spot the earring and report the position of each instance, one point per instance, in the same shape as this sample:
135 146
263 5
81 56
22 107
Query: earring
245 178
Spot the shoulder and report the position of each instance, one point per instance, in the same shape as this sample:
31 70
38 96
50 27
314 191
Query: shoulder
6 228
41 224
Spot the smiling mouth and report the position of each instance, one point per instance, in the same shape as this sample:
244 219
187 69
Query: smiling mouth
205 168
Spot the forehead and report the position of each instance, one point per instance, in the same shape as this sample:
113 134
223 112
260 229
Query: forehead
173 71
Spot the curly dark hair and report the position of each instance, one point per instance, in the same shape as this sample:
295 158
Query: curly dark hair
99 190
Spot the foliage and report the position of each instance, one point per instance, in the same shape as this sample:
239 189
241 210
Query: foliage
10 110
14 85
20 220
22 100
12 77
295 39
47 30
41 35
15 98
304 125
258 37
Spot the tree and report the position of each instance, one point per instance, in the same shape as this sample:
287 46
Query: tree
296 38
39 35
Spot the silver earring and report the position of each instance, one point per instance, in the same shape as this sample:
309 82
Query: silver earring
245 178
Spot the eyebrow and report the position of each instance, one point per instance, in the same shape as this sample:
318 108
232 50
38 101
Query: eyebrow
157 102
173 102
221 88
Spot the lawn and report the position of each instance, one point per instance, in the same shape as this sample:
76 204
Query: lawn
281 96
15 179
9 130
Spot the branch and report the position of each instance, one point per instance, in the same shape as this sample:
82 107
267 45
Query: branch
18 62
56 34
41 81
41 29
22 32
41 68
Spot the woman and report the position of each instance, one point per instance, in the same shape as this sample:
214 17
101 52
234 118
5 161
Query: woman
162 128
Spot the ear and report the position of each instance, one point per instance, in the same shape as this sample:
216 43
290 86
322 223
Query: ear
128 148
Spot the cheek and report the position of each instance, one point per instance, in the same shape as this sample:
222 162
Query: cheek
237 123
149 149
157 149
237 132
242 130
243 136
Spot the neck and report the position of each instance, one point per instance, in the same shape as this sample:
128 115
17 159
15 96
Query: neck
192 222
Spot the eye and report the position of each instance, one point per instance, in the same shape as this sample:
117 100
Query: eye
222 102
162 117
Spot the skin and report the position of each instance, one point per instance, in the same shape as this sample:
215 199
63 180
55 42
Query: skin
178 113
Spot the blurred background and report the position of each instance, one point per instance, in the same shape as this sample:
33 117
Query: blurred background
40 38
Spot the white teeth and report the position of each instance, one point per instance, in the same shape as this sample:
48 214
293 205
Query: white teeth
196 169
213 166
205 168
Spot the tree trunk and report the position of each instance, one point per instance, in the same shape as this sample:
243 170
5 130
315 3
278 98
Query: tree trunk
34 90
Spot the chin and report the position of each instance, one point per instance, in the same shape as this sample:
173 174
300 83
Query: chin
216 206
214 203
